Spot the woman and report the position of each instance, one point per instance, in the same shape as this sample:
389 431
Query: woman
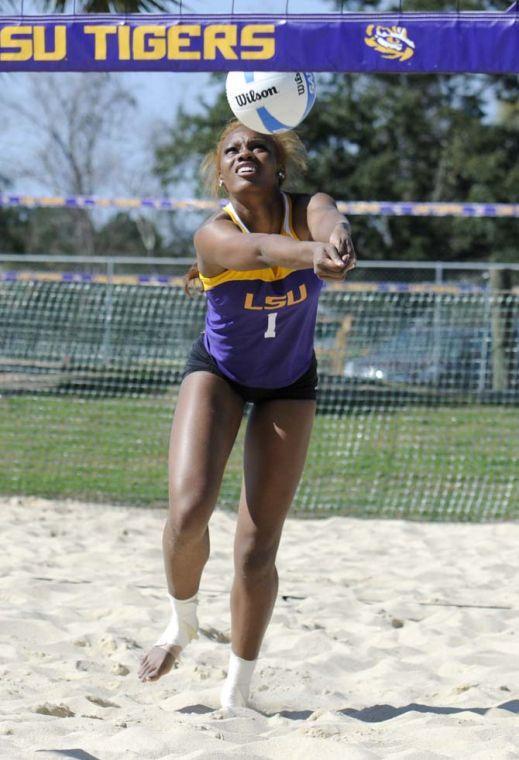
262 261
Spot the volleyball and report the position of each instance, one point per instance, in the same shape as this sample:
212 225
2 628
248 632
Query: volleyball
270 101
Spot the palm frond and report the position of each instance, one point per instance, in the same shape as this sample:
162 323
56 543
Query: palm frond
114 6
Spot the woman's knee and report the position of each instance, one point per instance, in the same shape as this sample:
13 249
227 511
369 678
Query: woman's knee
188 518
255 558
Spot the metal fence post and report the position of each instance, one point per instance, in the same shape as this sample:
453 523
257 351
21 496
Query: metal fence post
106 349
502 333
437 317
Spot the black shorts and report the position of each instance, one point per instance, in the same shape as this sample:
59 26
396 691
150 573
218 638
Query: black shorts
304 387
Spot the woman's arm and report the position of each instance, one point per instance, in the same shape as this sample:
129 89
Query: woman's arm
219 243
327 224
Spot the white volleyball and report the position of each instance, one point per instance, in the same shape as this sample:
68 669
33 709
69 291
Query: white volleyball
270 101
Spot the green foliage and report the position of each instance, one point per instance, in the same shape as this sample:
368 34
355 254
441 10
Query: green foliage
394 137
115 6
421 138
11 230
121 235
65 231
12 225
133 234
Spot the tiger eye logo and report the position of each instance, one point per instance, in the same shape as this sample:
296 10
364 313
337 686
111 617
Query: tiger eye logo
390 41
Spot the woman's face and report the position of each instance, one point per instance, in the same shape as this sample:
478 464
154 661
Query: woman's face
248 159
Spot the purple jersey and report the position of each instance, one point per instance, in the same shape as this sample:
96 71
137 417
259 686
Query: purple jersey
260 323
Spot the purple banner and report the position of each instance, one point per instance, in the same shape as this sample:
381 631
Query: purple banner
413 43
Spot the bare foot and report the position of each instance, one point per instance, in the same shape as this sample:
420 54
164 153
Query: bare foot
158 662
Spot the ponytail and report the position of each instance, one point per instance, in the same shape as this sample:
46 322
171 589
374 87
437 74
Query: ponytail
191 280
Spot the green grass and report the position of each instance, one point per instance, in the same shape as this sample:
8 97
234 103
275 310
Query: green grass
416 462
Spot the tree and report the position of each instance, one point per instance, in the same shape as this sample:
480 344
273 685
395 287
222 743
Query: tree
13 223
112 6
77 124
121 234
395 137
402 138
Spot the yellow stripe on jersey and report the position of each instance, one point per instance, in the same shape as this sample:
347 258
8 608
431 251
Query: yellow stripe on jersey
229 210
291 231
268 274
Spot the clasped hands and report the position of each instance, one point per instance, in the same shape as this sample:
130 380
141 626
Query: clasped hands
333 260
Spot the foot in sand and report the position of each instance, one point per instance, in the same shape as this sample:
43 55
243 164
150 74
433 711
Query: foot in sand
182 628
232 696
157 662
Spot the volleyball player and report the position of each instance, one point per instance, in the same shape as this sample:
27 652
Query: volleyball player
262 261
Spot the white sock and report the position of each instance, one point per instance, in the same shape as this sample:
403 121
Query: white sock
183 625
235 691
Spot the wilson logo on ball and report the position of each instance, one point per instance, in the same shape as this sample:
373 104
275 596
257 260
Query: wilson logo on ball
252 97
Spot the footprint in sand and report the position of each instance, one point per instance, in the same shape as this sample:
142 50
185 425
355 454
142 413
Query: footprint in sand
101 702
88 666
215 635
58 711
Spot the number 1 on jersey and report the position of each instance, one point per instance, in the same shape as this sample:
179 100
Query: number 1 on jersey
271 326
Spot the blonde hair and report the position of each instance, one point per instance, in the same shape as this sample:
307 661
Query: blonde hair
292 159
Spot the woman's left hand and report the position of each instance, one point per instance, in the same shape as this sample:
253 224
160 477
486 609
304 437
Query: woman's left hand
341 239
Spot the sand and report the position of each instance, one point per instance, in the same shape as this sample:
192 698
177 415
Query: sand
389 640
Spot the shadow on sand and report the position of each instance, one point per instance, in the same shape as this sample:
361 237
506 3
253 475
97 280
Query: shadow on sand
77 754
375 714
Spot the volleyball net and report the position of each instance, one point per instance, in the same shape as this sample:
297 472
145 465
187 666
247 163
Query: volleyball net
417 411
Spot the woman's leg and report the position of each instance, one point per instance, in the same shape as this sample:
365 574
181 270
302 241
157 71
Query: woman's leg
276 445
206 421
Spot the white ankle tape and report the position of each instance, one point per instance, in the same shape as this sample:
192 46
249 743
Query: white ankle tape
183 626
235 691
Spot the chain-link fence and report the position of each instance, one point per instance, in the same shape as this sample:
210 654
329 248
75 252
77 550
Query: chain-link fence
418 400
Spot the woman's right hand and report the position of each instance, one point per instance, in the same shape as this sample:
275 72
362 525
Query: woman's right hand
328 265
